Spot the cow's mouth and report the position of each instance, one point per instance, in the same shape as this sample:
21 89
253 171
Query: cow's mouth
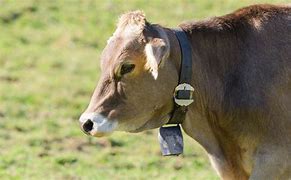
98 126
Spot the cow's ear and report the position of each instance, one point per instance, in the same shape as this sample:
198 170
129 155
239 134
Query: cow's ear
157 50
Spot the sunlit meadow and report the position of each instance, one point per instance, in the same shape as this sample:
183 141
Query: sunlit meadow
49 66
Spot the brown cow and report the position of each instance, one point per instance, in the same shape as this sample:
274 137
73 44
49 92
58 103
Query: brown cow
242 80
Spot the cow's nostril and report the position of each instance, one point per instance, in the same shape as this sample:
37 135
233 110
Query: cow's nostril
88 126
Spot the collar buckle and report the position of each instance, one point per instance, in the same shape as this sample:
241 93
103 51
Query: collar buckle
183 95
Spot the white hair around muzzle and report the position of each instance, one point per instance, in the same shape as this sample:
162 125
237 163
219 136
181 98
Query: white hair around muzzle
94 124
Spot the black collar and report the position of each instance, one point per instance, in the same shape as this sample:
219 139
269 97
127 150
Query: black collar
183 95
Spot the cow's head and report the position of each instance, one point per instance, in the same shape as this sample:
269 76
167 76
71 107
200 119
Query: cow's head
135 90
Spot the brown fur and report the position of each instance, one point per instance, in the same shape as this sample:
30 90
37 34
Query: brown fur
242 80
242 70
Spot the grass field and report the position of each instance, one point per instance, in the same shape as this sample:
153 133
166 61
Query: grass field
49 66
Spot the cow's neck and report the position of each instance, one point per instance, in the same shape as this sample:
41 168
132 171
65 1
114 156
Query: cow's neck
203 122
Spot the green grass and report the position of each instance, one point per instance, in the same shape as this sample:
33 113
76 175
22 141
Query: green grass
49 65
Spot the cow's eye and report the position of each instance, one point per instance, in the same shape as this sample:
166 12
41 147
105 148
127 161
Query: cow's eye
126 68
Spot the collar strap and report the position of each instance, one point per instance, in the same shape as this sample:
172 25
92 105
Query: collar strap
183 95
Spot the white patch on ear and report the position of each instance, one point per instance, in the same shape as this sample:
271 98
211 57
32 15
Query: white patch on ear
157 50
152 62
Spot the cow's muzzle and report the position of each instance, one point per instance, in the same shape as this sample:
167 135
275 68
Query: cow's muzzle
97 125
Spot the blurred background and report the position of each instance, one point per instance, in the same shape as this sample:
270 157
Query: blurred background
49 66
